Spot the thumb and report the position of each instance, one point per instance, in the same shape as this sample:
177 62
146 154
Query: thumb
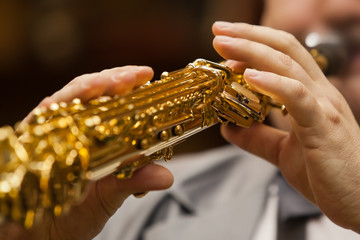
111 191
105 196
259 139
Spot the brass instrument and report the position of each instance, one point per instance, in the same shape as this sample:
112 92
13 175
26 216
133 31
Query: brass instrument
47 165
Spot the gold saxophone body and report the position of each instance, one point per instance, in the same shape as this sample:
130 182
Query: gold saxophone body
46 166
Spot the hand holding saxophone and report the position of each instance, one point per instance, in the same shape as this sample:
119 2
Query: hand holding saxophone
310 155
319 155
106 195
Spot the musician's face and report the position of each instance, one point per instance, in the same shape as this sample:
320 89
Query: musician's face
301 17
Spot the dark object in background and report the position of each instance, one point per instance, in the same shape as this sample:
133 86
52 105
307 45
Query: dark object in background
45 44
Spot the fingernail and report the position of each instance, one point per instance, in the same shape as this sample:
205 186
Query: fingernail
249 72
146 73
223 24
139 68
143 68
224 39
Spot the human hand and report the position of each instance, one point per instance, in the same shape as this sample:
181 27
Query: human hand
85 221
320 155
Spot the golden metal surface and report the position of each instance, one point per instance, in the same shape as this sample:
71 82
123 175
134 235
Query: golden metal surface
140 194
48 164
320 59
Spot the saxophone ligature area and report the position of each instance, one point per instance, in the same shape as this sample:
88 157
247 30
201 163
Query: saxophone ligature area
45 167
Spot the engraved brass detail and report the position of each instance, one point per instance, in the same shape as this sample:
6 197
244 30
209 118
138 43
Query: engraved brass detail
47 164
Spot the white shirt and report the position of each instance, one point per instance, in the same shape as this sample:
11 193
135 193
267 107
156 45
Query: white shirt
316 229
224 194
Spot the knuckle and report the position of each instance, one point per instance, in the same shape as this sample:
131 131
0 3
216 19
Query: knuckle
57 93
286 60
334 118
337 100
104 73
106 205
299 91
334 109
250 27
288 39
331 113
46 101
79 79
74 81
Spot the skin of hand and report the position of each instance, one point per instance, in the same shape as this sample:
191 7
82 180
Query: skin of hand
105 196
320 155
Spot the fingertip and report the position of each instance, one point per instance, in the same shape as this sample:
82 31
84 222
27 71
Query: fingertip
252 75
145 70
220 26
143 75
148 178
236 66
229 132
244 138
156 177
260 80
221 40
215 28
228 47
124 79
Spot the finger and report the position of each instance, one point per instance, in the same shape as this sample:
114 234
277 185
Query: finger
110 82
105 197
261 57
112 191
259 139
84 87
277 39
149 178
269 144
123 80
237 67
299 101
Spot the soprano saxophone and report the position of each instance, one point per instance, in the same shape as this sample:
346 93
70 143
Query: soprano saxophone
47 166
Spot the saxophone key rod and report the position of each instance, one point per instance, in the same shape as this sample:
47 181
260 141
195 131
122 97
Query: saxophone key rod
46 165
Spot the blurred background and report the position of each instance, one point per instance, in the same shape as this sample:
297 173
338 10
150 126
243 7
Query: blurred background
46 43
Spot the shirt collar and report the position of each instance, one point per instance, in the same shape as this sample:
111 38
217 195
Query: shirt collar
292 204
